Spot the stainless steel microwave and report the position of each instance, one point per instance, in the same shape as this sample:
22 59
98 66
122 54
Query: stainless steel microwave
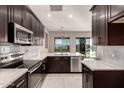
19 34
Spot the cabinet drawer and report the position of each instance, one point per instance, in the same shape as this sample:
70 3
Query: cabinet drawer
20 83
53 59
59 64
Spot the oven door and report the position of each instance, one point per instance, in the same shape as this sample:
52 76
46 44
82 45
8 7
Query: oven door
34 76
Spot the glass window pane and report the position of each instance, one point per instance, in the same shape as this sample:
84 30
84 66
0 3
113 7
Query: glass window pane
62 44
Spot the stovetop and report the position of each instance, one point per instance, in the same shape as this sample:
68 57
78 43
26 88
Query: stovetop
30 63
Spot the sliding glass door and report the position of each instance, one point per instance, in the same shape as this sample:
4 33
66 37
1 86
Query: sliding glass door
84 46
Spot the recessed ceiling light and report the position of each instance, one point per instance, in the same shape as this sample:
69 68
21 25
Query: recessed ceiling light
70 16
49 15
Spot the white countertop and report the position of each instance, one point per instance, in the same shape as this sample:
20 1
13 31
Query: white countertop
8 76
99 65
68 54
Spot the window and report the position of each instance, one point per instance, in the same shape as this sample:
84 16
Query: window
61 44
84 46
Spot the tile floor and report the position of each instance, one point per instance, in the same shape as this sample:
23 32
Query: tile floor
62 81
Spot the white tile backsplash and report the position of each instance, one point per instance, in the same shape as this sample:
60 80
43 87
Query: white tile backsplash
9 48
33 52
111 54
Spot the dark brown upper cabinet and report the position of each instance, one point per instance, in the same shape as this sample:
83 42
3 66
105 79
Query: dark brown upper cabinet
107 25
3 23
26 18
41 31
21 15
95 27
15 13
33 25
99 25
116 34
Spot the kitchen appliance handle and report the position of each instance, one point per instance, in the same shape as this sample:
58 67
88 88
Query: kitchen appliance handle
17 86
20 66
44 67
85 69
31 71
65 58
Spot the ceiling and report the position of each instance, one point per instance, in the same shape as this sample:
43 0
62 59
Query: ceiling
72 18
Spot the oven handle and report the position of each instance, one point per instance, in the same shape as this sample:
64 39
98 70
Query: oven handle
34 69
43 67
21 66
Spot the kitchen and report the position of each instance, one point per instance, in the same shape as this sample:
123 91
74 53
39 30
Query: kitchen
80 51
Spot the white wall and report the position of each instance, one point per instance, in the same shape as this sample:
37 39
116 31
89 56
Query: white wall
71 34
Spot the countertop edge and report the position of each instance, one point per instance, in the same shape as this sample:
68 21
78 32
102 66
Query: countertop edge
9 83
106 69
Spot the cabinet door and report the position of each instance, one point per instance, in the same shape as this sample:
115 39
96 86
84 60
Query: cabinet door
103 25
94 32
115 34
87 77
17 14
3 23
54 65
58 64
99 25
22 82
33 25
26 18
41 31
95 25
90 79
65 64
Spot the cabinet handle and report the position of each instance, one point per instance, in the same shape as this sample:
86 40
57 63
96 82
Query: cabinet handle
44 67
43 61
57 58
85 69
61 62
65 58
33 69
17 86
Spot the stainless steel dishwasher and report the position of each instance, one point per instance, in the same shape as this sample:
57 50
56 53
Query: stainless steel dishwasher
76 64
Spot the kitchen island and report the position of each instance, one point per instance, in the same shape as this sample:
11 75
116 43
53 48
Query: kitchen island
97 74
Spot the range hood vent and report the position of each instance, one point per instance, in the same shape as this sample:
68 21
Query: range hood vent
56 8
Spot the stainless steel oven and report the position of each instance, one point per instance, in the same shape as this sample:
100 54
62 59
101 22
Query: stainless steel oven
11 60
19 34
34 75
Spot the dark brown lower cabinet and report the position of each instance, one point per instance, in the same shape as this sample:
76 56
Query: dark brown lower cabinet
22 82
87 77
102 78
58 65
